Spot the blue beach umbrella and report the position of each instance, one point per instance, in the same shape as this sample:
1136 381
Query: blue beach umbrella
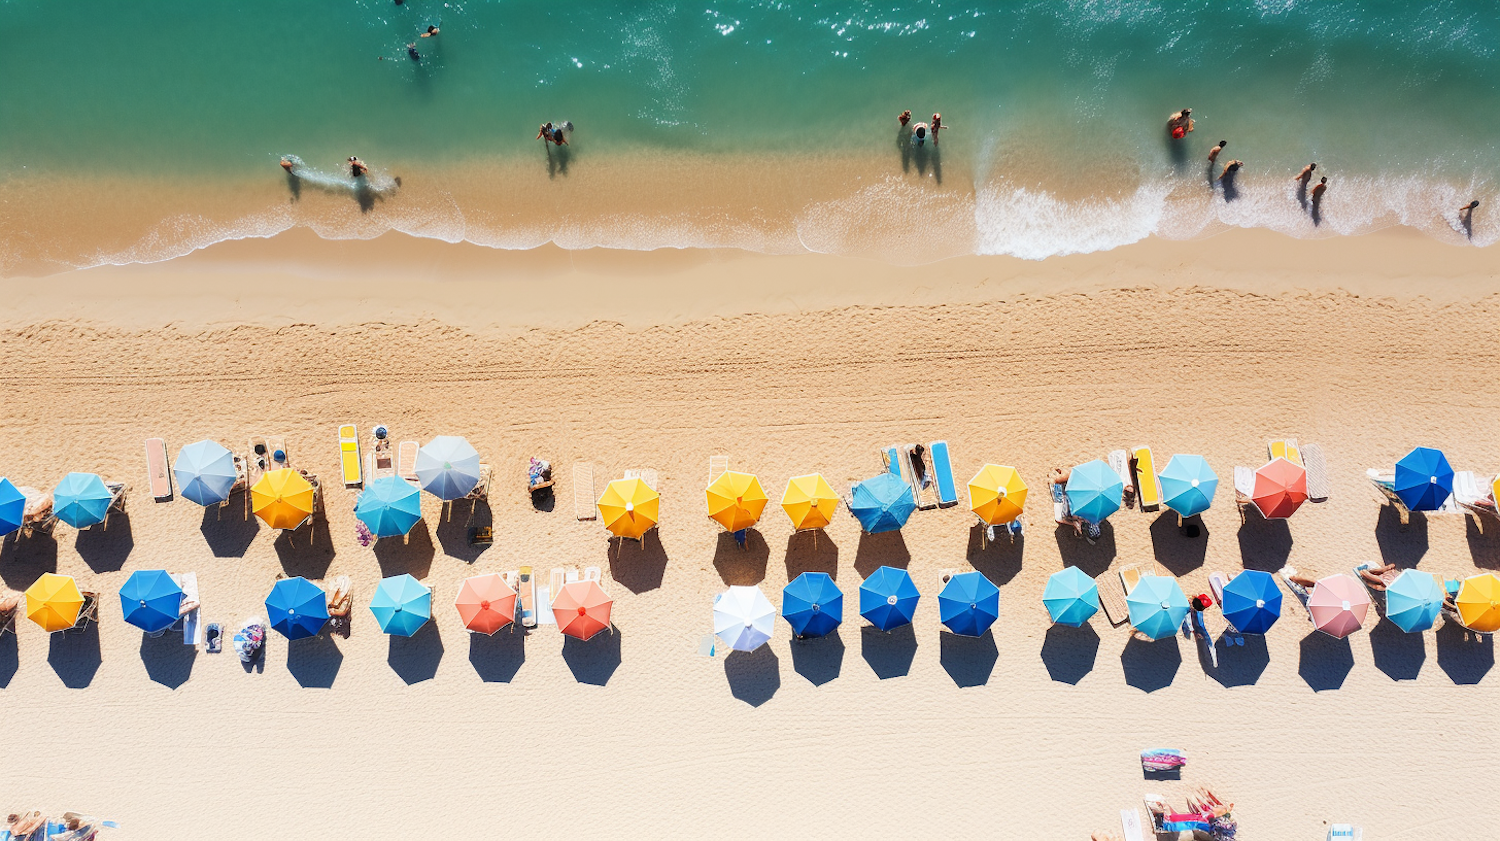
812 604
882 503
12 507
401 605
448 467
1071 597
888 598
969 604
1094 491
205 472
150 600
1414 600
1157 606
389 506
81 500
1252 602
1188 485
1423 479
297 608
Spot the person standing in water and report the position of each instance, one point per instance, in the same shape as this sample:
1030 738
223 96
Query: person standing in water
1229 168
286 164
557 136
1179 124
904 118
545 132
1467 211
357 167
1319 189
411 52
919 134
431 31
1306 174
937 126
1213 154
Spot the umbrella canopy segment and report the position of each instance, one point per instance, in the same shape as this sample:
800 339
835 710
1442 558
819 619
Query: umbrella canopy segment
996 494
629 508
389 506
582 609
809 501
888 598
1252 602
736 500
53 602
1338 605
969 604
205 472
1280 489
486 603
1188 485
812 604
743 618
81 500
1424 481
1157 606
297 608
1071 597
882 504
448 467
1094 491
151 600
1478 603
1414 601
12 507
282 498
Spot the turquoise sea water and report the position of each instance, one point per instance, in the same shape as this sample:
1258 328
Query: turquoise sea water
1398 102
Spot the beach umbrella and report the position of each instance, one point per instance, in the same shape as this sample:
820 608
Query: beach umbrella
297 608
12 507
888 598
1157 606
812 604
582 609
81 500
969 604
283 498
1478 603
54 602
1094 491
1338 605
1071 597
1414 600
735 500
389 506
448 467
150 600
1252 601
486 603
629 507
883 503
1188 485
1280 487
205 472
997 494
743 618
809 501
1424 481
401 605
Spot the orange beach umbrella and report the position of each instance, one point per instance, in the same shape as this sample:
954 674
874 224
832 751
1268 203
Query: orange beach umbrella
735 500
486 603
54 602
629 508
1280 489
582 609
283 498
810 501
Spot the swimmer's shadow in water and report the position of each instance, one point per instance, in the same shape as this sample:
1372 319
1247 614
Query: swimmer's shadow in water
929 156
1228 185
904 146
294 185
1315 209
558 158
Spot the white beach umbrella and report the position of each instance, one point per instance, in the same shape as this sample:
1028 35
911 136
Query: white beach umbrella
743 618
448 467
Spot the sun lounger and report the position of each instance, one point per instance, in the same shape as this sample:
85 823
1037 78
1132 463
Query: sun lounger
539 474
1297 590
1130 825
193 631
527 592
482 487
717 466
382 458
591 574
1119 462
557 579
1474 498
349 460
1384 484
544 605
1345 832
37 515
1244 488
645 474
1216 582
258 461
1112 598
570 576
277 453
88 613
158 477
406 461
1316 465
890 457
919 476
583 491
942 469
1148 489
8 623
1130 575
1285 448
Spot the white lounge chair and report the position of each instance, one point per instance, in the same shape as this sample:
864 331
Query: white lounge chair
717 466
193 630
583 491
591 574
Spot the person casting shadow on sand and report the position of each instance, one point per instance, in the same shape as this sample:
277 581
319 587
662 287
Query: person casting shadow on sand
1466 218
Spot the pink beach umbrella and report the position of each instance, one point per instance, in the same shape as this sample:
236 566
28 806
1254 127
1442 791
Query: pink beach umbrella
1338 605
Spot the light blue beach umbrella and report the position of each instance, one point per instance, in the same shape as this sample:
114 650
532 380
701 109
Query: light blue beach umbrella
297 608
205 472
389 506
883 503
150 600
12 507
1252 602
1157 606
81 500
1188 485
1414 600
888 598
969 604
1424 480
812 604
1094 491
448 467
1071 597
401 605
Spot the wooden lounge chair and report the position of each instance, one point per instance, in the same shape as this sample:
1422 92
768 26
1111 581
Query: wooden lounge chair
1148 488
382 457
583 491
349 460
1112 597
717 466
942 472
406 464
1316 466
37 515
88 613
157 475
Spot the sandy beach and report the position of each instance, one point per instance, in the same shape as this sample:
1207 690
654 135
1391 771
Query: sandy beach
786 364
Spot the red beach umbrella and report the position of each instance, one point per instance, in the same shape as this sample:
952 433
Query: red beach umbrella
582 609
1280 488
486 603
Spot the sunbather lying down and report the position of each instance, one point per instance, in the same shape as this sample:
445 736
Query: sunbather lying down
24 823
1378 578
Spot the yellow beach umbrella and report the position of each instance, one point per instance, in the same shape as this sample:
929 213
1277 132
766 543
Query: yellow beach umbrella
629 507
282 498
809 501
997 494
735 500
1479 603
54 601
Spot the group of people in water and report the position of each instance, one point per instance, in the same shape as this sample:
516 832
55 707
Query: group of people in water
921 131
557 134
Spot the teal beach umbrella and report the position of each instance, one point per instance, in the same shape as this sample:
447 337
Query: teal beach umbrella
401 605
1094 491
1414 600
1071 597
883 503
1157 606
1188 485
389 506
81 500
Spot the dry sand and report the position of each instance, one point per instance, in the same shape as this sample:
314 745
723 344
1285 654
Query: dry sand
786 364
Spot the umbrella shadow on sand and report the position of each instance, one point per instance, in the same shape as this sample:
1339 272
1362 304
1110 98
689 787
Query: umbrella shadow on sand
1093 558
593 662
415 658
167 661
454 525
412 555
1401 545
820 659
754 676
1326 661
889 653
314 662
106 549
1264 544
24 559
742 565
228 531
880 550
1399 654
811 551
10 659
75 656
1484 547
307 551
1069 653
968 660
1149 665
497 658
638 565
1463 656
1173 548
1239 665
999 560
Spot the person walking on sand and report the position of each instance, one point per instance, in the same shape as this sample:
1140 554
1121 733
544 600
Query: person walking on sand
1319 189
1230 168
1306 174
1213 154
904 118
357 167
1179 124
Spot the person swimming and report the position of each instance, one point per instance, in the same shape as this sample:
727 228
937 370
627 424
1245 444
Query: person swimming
1230 168
919 136
286 164
431 31
411 52
357 167
1179 124
557 136
1213 154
